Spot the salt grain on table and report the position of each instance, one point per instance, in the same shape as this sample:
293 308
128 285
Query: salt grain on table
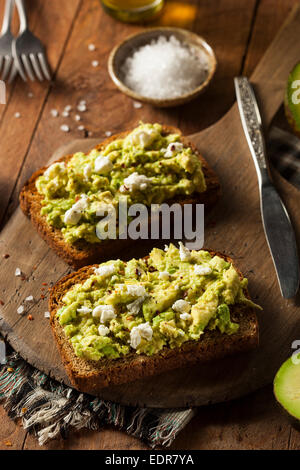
165 69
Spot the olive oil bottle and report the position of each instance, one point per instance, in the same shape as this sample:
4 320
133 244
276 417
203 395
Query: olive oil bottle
132 11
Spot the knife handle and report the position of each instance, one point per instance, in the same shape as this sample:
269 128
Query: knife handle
252 124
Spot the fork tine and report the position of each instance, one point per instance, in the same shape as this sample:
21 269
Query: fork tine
35 64
1 62
13 73
7 65
28 67
44 65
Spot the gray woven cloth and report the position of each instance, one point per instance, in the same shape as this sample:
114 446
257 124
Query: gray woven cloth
50 410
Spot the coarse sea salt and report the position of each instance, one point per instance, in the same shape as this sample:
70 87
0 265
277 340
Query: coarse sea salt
165 69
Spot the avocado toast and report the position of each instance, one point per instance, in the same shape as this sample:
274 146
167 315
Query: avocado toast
119 322
151 164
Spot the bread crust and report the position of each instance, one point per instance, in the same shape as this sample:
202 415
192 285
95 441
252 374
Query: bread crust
91 376
83 253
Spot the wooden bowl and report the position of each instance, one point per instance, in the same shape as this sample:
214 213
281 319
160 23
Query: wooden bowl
127 47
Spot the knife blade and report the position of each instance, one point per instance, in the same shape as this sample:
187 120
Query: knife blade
276 222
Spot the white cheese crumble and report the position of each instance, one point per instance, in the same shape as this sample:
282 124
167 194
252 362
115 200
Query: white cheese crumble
184 253
84 310
136 290
181 306
135 306
173 149
64 128
135 182
81 107
103 164
103 330
20 310
104 312
202 270
47 314
143 137
73 215
105 271
95 63
143 330
91 47
54 112
185 316
29 298
87 171
18 272
164 275
54 170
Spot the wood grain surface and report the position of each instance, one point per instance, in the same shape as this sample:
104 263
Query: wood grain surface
239 32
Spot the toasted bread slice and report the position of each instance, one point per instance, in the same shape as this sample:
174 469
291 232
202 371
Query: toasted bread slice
91 376
83 253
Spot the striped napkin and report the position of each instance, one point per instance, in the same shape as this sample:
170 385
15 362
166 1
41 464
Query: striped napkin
50 410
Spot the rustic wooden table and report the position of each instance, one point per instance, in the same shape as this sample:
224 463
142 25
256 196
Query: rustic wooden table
239 31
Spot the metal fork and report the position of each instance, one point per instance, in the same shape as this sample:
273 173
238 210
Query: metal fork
28 51
6 39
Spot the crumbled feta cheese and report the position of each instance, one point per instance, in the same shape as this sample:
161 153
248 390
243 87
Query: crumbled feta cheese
143 137
84 310
95 63
65 114
181 306
104 312
185 316
30 94
164 276
65 128
54 169
108 133
17 115
80 128
137 105
47 314
103 164
143 330
68 108
166 248
135 306
54 112
105 271
18 272
29 298
202 270
136 290
77 117
91 47
73 215
135 182
172 149
20 310
87 171
103 330
184 253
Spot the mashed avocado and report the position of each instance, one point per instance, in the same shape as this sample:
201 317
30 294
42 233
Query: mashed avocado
145 305
145 167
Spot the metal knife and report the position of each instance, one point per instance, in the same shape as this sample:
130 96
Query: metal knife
276 222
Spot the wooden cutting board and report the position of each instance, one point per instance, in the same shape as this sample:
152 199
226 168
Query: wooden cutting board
233 227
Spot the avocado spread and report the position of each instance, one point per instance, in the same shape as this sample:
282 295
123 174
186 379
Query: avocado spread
145 167
144 305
